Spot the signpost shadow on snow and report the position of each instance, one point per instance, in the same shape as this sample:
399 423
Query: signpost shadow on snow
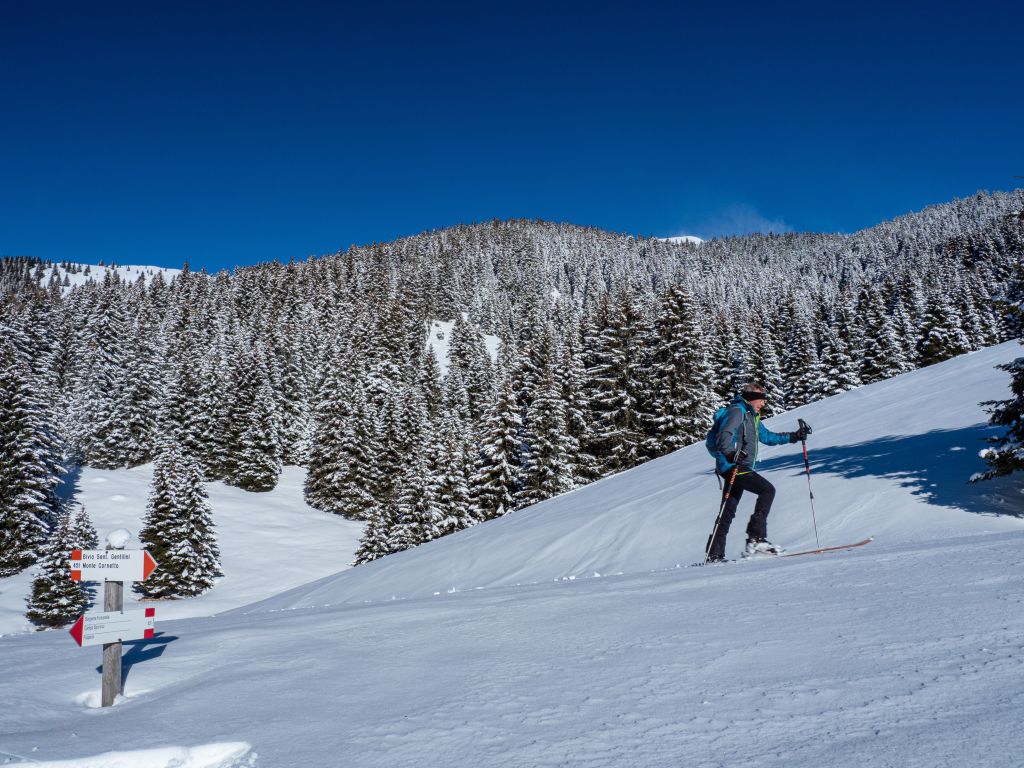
142 650
935 465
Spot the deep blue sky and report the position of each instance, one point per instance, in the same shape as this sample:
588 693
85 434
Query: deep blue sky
232 133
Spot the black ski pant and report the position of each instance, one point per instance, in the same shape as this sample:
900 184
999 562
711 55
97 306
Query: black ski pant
757 528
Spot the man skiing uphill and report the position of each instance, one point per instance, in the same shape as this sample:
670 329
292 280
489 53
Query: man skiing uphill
736 442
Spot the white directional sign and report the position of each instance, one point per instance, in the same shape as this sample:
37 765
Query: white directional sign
114 627
111 564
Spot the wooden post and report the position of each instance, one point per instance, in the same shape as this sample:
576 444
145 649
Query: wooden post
113 600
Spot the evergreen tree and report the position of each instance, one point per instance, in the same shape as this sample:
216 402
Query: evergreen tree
683 395
804 381
451 465
56 600
1007 454
178 529
376 540
941 336
28 457
547 469
258 463
623 394
764 368
882 354
496 480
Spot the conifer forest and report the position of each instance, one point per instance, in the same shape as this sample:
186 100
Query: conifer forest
575 353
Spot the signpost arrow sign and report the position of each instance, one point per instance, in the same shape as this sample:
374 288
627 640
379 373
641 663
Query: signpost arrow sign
111 564
116 627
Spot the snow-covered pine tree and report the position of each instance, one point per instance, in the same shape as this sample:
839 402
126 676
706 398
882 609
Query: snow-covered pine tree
623 394
28 458
56 600
882 356
178 528
573 378
728 358
941 336
258 464
140 399
255 430
419 515
468 353
684 376
496 479
451 461
764 368
1007 452
547 467
101 435
802 373
376 540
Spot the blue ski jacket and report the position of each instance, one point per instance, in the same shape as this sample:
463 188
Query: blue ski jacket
742 430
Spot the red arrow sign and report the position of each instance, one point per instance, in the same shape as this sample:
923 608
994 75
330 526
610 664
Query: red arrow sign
76 631
114 627
148 564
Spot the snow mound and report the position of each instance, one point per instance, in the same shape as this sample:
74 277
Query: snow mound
227 755
885 462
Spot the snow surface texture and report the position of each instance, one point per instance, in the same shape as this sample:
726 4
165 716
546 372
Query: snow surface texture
907 652
269 542
203 756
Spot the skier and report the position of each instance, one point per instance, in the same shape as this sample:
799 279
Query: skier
736 456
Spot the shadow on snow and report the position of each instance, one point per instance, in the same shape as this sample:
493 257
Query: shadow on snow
936 466
140 651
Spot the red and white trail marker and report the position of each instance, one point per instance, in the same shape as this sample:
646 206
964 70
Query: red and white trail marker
114 627
111 564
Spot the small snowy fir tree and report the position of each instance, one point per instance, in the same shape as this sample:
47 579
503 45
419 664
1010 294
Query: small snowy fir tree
56 600
376 540
178 530
1007 454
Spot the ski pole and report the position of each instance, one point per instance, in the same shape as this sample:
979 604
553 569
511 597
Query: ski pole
805 427
721 510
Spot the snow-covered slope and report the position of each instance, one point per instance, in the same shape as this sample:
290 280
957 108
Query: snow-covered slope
128 273
269 542
891 460
904 653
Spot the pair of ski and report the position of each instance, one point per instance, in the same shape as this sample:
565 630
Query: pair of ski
818 551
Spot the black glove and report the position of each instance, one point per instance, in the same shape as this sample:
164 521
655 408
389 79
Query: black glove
801 434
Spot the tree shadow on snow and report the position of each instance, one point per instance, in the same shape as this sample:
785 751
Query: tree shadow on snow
68 487
140 651
935 465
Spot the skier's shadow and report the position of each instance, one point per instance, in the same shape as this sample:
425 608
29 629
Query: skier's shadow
936 466
140 651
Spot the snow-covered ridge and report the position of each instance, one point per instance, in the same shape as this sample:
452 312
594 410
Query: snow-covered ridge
683 239
80 274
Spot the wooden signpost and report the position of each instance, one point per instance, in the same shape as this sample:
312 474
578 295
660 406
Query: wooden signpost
113 566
